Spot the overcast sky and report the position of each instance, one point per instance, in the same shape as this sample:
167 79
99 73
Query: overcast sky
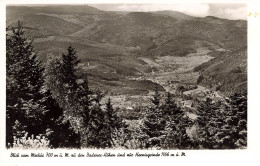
228 11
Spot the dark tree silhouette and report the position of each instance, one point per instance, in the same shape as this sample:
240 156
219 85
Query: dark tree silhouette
26 97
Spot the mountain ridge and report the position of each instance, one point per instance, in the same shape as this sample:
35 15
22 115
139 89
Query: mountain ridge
117 41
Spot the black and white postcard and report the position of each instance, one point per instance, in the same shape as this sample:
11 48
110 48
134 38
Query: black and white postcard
167 83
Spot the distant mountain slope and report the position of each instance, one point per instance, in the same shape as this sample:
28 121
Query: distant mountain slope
54 9
227 72
175 14
112 44
38 25
151 33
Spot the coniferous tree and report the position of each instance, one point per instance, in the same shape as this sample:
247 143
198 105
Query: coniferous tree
71 97
153 123
177 137
156 97
81 107
233 131
59 132
96 132
24 85
112 121
170 108
223 125
206 123
61 80
176 124
104 126
69 68
115 124
30 107
153 126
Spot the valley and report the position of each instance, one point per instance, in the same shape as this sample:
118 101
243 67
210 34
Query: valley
169 72
126 55
133 80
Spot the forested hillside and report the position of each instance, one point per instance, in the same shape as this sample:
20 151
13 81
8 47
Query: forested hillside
227 72
104 38
87 78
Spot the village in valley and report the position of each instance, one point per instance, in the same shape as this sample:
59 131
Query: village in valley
176 76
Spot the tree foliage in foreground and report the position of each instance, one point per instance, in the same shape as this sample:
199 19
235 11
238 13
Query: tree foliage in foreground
28 104
165 125
81 106
223 125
